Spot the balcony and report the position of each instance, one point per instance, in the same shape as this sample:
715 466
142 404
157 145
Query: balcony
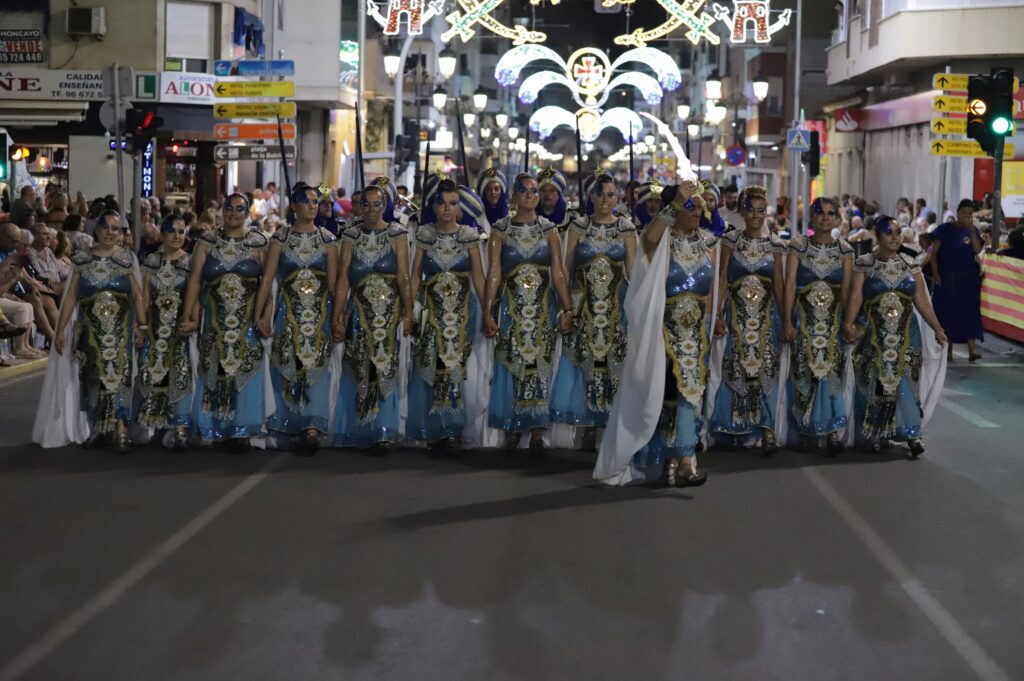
868 49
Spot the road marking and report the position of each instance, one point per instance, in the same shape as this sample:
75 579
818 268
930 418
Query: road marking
965 413
74 622
972 653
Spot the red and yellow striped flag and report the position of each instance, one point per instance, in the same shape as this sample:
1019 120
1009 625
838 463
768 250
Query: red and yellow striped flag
1002 296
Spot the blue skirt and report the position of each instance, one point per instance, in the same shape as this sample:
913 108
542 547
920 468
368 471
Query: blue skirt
958 305
828 415
247 421
502 414
908 414
721 420
681 442
567 402
349 432
315 413
423 425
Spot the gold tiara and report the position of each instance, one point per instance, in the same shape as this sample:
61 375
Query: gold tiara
656 188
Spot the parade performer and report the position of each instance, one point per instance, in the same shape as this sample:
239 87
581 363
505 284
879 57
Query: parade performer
525 261
712 220
375 270
899 366
751 282
93 357
448 283
303 260
229 404
656 424
166 379
818 272
552 206
600 250
648 203
493 188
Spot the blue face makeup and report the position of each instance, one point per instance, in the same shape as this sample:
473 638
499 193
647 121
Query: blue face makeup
690 204
523 189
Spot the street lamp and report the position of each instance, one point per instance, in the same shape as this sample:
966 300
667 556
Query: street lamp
683 111
392 61
713 87
439 98
446 63
480 99
513 132
649 140
501 119
469 118
485 132
760 88
692 129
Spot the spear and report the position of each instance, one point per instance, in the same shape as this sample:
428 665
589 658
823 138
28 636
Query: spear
426 170
632 192
359 147
462 145
526 162
579 165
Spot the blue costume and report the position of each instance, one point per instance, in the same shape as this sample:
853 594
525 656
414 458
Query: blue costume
745 402
526 323
229 392
815 373
368 397
887 360
165 369
713 222
594 351
689 289
499 210
103 337
957 301
437 408
301 351
561 217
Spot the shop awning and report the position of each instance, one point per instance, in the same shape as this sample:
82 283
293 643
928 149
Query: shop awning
16 113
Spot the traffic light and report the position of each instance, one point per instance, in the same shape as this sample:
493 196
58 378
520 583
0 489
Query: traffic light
5 171
990 108
814 155
142 124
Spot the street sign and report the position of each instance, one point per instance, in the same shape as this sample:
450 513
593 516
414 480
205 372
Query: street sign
798 140
735 155
949 126
965 148
253 152
254 67
957 82
947 104
252 131
266 110
249 88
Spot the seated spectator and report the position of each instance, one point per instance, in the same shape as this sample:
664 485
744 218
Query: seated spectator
24 206
1016 241
909 245
62 251
43 262
14 304
58 210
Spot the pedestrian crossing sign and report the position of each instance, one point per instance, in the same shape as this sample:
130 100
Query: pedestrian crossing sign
798 140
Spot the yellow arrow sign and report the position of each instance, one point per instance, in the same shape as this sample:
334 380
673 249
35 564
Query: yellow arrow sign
965 148
947 104
267 110
957 82
949 126
242 88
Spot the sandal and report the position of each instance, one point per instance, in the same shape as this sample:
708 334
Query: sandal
8 330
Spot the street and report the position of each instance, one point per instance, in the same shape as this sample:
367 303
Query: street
342 566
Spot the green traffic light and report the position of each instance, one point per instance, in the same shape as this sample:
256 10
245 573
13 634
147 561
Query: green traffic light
1001 125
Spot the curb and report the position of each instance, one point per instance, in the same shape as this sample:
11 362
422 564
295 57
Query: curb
23 368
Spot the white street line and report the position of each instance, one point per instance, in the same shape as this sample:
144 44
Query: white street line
74 622
964 412
972 653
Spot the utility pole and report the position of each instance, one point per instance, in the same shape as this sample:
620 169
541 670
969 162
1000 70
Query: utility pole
794 156
942 180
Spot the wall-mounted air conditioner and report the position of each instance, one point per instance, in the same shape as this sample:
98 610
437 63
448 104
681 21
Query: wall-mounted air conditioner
86 21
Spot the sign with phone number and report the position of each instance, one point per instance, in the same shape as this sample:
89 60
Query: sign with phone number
21 46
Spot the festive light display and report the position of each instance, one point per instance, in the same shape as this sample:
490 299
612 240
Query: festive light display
546 119
478 12
688 13
390 13
757 12
692 15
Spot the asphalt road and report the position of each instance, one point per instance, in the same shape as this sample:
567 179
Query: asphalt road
207 566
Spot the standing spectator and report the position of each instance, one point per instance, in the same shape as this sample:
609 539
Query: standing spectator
921 208
58 210
62 252
357 207
343 205
956 277
272 199
1016 247
729 211
74 227
259 208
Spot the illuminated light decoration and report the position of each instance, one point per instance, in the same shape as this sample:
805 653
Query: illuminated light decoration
415 12
757 12
622 119
348 52
591 121
646 85
537 2
147 170
589 68
687 13
479 12
534 83
512 63
660 62
545 119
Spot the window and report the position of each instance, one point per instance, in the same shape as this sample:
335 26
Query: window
190 34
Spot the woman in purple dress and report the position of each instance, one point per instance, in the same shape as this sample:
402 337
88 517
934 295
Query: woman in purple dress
956 277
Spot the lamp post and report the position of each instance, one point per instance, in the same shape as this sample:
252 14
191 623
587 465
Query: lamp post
394 66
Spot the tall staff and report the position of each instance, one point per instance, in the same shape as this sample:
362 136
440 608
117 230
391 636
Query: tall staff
579 166
359 146
632 176
462 145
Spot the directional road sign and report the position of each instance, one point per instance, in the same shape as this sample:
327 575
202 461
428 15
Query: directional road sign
266 110
957 82
248 88
253 152
798 140
949 126
271 67
252 131
947 104
965 148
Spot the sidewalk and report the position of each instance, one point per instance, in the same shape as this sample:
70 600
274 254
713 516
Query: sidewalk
20 367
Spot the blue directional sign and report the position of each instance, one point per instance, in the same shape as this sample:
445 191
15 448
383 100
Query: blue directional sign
254 67
798 140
